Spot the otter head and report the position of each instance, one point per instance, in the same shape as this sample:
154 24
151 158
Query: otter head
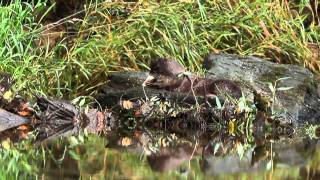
164 74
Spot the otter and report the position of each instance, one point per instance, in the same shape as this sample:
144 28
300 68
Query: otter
170 75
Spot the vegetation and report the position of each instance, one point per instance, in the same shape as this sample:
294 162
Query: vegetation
126 36
47 57
19 160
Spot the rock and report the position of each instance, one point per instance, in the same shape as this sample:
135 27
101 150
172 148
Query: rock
9 120
300 104
295 99
128 86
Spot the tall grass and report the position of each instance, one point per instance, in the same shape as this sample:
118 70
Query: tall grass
18 31
127 36
187 32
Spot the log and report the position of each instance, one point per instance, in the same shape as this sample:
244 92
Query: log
9 120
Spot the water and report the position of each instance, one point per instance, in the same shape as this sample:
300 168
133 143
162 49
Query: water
155 154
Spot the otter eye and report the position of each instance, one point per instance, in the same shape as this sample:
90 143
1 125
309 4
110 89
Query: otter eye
154 71
154 80
158 80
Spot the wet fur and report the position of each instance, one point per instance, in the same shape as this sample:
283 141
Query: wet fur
167 76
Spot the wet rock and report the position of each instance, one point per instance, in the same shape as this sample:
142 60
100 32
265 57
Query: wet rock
128 86
9 120
291 89
299 103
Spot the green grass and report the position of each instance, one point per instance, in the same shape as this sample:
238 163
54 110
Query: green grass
110 40
18 31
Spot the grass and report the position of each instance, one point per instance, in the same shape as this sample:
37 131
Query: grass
18 31
127 36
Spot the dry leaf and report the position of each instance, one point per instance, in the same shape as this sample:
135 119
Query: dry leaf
126 141
23 134
232 127
137 113
24 113
238 110
126 104
137 134
23 127
265 30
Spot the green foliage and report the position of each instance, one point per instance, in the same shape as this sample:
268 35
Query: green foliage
19 160
117 36
187 32
18 31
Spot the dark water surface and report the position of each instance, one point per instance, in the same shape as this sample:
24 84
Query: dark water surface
146 154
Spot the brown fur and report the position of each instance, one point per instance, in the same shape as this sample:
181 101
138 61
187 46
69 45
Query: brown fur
168 76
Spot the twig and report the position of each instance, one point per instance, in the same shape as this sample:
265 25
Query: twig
145 94
194 150
193 93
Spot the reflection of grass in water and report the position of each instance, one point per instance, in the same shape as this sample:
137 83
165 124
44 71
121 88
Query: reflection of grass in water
19 160
96 161
314 164
124 165
279 173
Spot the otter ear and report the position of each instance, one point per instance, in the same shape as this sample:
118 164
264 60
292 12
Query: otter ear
154 66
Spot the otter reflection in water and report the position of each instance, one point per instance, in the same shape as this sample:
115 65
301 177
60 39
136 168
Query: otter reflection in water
170 75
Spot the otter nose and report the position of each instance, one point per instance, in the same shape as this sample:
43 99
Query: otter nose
149 80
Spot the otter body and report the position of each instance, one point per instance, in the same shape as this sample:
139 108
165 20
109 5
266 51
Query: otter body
170 75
